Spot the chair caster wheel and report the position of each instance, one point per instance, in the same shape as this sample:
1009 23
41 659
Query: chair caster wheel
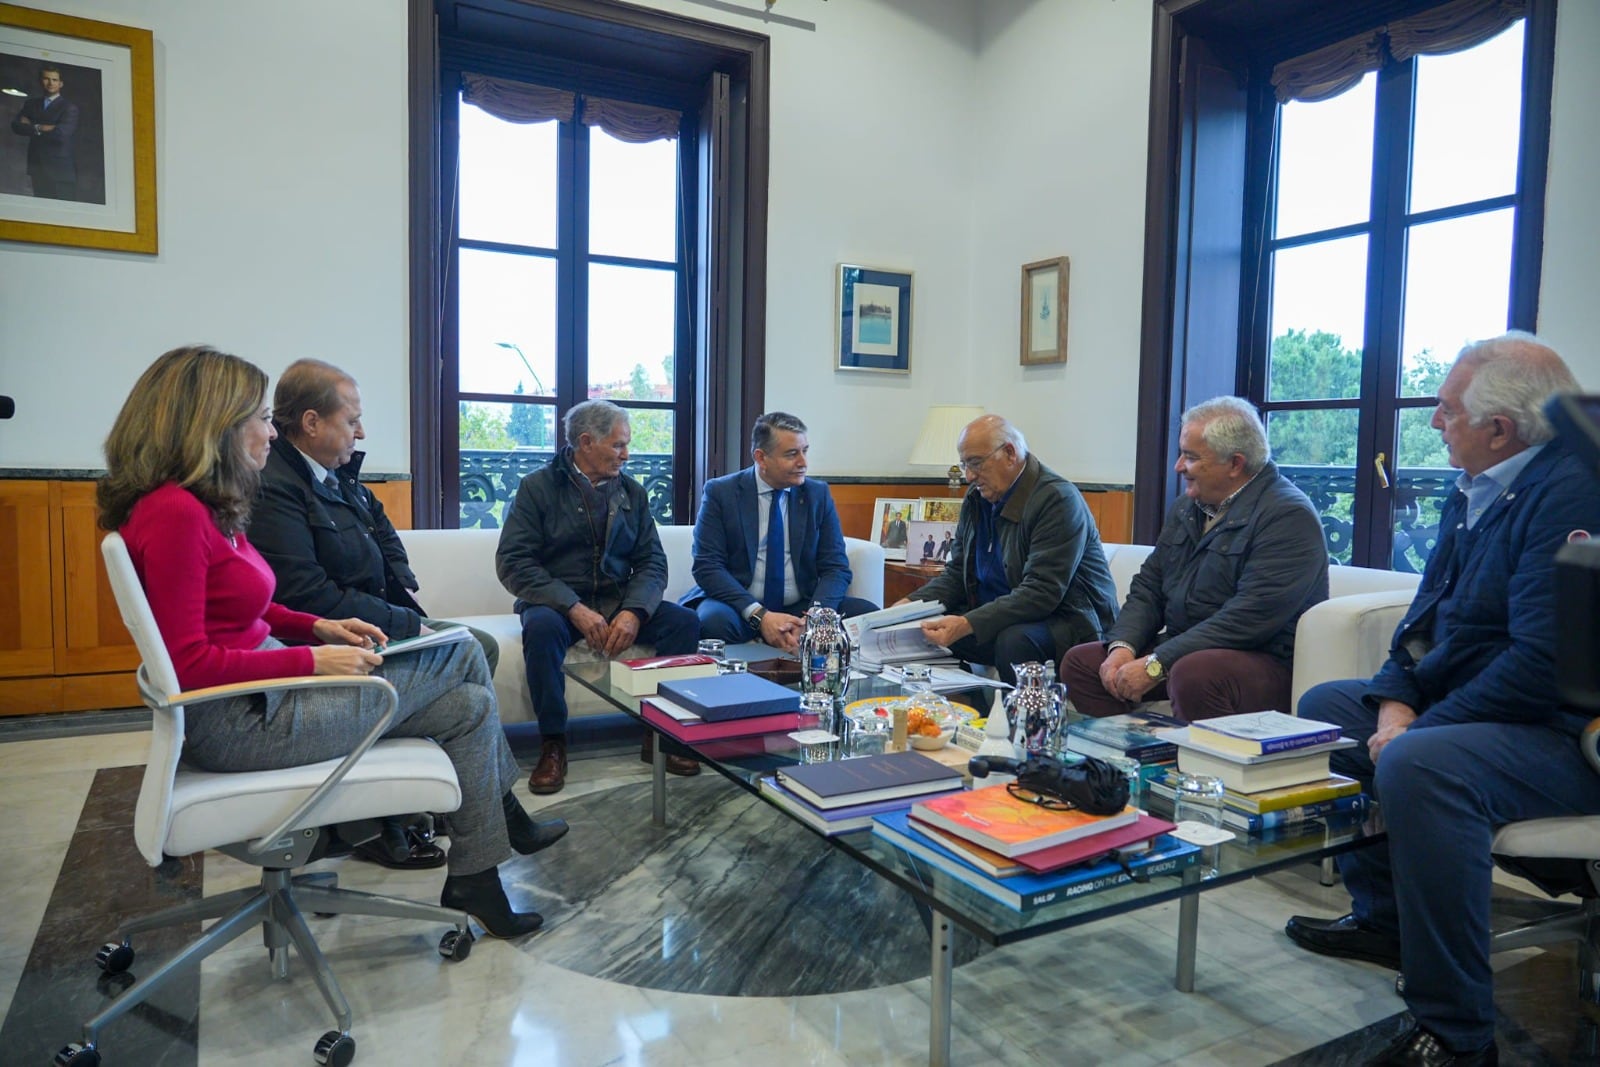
76 1055
334 1049
114 957
456 945
1400 984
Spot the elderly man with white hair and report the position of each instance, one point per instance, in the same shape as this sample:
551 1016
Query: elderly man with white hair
1210 618
1462 729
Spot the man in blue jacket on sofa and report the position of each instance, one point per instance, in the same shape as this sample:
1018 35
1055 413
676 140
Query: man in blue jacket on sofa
740 595
1462 730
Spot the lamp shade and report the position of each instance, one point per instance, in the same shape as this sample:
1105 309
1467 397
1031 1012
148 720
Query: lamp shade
936 445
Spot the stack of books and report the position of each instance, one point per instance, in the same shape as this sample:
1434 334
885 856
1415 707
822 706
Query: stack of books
1274 767
1131 736
844 795
721 706
1026 856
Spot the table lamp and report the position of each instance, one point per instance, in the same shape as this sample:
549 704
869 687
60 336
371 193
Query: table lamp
937 442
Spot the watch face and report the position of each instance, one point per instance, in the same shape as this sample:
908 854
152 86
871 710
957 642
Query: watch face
1152 667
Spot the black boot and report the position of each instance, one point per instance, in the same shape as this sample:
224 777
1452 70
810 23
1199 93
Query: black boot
483 897
527 836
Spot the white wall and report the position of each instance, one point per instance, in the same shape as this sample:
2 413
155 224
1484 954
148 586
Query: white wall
281 169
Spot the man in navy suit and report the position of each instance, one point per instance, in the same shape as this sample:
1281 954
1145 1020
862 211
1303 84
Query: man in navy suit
49 121
737 596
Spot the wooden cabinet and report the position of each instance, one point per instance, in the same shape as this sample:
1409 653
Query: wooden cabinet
27 642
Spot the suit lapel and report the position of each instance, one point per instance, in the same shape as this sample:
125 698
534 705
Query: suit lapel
799 524
749 502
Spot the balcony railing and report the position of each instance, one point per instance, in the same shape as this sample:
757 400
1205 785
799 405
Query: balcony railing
1419 494
489 480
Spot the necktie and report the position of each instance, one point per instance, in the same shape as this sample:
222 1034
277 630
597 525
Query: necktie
331 482
772 593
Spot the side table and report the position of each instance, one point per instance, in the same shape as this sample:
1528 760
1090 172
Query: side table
902 579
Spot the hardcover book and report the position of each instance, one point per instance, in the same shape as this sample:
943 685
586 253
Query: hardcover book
1185 739
1289 816
1254 777
1260 733
888 776
1134 837
694 730
1025 892
829 821
639 677
998 821
1131 735
1294 796
730 696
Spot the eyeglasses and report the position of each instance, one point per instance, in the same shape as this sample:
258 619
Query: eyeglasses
1043 800
972 466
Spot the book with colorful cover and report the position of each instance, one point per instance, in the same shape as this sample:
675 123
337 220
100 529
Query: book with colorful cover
1135 837
829 821
639 677
1001 823
1131 735
1353 804
1261 733
693 729
889 776
1025 892
1292 796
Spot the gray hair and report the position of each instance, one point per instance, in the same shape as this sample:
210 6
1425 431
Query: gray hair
1003 432
765 432
1514 375
1231 426
597 418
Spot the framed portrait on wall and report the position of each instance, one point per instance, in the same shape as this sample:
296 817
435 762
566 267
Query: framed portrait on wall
872 319
77 111
1044 311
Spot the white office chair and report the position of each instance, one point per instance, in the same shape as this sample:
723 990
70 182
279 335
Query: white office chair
1560 856
276 820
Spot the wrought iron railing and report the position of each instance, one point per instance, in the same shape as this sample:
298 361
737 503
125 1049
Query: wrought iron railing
489 480
1419 494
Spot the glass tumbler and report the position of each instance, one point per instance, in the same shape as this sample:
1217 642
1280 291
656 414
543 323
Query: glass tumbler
714 647
1199 799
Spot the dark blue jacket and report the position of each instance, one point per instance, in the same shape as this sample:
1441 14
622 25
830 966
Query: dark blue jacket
1487 603
725 543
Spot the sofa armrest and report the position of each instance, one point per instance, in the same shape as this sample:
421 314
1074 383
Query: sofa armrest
866 569
1346 637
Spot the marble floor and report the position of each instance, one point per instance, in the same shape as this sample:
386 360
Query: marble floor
731 938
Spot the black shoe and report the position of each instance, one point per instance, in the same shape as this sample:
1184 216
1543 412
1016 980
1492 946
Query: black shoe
528 836
400 848
682 766
1418 1047
483 897
1346 937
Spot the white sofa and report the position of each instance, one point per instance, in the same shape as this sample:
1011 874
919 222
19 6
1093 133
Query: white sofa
1345 636
455 569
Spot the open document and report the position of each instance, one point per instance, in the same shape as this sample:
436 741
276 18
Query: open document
427 640
891 616
896 644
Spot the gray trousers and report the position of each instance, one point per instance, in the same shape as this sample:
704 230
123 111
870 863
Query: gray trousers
491 647
445 694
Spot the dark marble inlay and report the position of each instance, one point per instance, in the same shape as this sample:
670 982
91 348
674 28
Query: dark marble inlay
731 899
103 879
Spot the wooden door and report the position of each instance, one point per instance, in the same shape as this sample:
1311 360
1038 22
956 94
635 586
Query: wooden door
89 635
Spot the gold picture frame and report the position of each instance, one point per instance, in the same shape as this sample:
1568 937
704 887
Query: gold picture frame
1044 311
102 177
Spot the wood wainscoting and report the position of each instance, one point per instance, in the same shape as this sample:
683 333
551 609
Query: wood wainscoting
1112 508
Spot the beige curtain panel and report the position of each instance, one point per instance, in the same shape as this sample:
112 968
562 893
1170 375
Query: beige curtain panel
518 101
1451 27
634 123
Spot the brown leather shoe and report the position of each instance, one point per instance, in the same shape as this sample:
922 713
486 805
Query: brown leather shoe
550 774
682 766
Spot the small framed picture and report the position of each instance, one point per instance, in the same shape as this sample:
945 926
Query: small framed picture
890 519
941 509
1044 311
872 321
931 542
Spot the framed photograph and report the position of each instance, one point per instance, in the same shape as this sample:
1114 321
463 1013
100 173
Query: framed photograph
931 542
1044 311
890 518
941 509
872 327
77 101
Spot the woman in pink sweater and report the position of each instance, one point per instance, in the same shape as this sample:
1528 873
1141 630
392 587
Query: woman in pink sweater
182 463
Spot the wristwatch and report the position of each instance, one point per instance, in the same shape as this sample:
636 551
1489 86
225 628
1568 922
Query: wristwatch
755 618
1153 667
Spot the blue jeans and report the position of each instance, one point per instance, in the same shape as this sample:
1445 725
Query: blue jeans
718 619
1444 791
547 634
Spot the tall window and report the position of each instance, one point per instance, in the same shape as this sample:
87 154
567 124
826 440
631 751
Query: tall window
1389 244
569 282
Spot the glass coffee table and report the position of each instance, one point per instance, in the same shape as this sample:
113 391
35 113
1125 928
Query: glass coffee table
952 903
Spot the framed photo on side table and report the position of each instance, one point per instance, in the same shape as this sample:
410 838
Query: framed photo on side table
78 116
1044 311
890 518
931 542
941 509
872 321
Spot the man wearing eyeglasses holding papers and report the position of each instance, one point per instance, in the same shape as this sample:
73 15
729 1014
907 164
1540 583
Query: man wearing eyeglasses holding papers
1026 577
